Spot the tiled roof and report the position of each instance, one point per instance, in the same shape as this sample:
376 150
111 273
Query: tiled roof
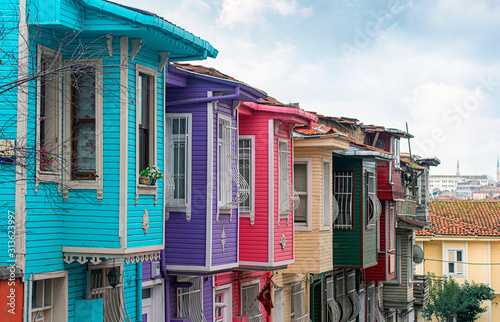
464 218
368 147
319 129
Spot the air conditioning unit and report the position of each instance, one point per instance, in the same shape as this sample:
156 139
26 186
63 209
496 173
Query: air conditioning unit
155 269
240 319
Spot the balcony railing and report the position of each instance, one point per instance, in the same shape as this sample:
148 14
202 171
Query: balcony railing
420 290
406 207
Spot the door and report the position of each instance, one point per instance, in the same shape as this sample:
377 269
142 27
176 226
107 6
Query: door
223 303
152 301
278 304
147 307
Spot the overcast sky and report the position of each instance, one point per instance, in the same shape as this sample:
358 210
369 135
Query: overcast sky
431 63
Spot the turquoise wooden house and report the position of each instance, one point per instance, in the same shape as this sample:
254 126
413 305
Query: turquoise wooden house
82 115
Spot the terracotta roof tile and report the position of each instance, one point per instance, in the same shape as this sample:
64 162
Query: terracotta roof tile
464 218
369 147
319 129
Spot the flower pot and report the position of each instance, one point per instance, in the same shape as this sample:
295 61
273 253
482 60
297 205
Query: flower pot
45 167
143 180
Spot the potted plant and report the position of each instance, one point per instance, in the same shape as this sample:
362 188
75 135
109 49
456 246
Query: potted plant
45 160
150 175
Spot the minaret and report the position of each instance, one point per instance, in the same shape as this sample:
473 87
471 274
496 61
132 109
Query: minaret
458 169
498 171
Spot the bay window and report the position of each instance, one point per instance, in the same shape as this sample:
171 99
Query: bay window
246 162
145 117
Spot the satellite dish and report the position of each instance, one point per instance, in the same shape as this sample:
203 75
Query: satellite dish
418 254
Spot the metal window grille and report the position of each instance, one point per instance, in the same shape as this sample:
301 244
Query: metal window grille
250 304
245 167
190 301
353 294
343 186
298 303
114 305
333 312
233 188
341 297
178 140
373 205
288 199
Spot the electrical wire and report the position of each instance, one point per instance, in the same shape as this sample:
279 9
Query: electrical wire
440 260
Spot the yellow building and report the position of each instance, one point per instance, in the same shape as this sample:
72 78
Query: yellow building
464 243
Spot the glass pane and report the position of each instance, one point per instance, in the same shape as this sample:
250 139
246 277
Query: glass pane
459 256
37 294
84 92
451 268
141 150
143 89
85 148
47 301
179 169
300 176
301 213
146 293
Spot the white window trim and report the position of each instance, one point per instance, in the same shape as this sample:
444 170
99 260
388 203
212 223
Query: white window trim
189 279
307 226
250 214
97 183
328 207
397 152
45 276
224 209
392 228
187 207
145 189
54 175
302 291
285 213
397 263
448 261
253 282
223 289
157 298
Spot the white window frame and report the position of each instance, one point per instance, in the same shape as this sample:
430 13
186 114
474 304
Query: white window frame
54 175
397 263
285 182
256 302
105 267
305 226
97 183
302 300
173 204
224 202
348 224
327 194
153 157
157 298
62 304
392 228
251 212
397 153
180 293
453 261
227 291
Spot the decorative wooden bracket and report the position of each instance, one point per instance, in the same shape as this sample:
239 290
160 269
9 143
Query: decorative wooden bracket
236 105
136 46
109 40
164 56
277 124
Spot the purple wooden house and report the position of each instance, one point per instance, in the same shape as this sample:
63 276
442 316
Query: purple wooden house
204 188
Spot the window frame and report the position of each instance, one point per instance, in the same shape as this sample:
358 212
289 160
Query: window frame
392 227
282 195
251 212
303 300
64 304
248 285
373 212
455 262
397 263
351 225
105 267
54 174
179 294
152 133
97 182
327 195
171 204
397 153
299 226
224 178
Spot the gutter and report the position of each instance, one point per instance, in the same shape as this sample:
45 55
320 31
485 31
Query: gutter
138 292
234 96
165 277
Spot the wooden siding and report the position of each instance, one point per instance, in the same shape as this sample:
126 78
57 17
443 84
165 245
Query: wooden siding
369 235
313 249
347 250
254 239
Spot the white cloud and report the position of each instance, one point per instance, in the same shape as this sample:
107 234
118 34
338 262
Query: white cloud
235 12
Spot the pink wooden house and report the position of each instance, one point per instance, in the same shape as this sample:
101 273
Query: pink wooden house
266 240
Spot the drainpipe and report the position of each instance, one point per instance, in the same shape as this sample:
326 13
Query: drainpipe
234 96
164 275
138 316
239 290
304 127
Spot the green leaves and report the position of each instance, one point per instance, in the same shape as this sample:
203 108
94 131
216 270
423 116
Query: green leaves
448 299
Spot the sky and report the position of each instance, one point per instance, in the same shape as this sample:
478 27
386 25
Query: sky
434 64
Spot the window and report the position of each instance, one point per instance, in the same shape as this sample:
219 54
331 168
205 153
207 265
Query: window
395 262
301 170
83 125
373 206
178 160
48 109
392 226
343 192
286 192
333 312
353 294
455 261
99 288
326 195
219 309
49 297
246 168
298 303
145 117
397 160
190 300
251 306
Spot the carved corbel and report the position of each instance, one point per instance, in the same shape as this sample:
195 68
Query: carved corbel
277 124
164 56
109 41
136 46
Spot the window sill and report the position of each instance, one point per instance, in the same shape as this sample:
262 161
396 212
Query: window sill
171 208
301 227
